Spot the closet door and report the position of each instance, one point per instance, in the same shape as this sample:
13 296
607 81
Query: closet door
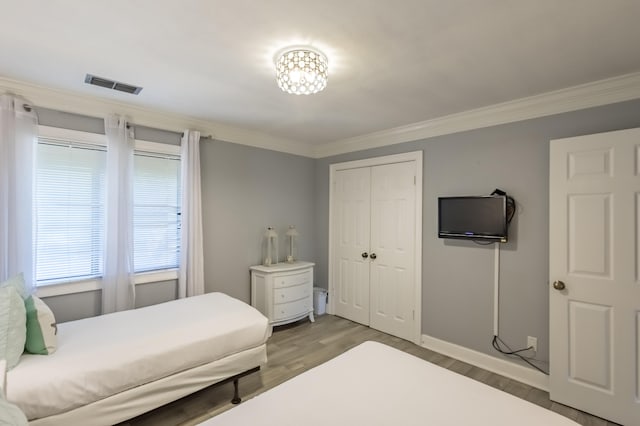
352 204
392 255
375 236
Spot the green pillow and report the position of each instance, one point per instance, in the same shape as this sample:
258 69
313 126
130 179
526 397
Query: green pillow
41 327
13 329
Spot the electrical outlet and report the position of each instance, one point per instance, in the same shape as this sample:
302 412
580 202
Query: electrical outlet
532 342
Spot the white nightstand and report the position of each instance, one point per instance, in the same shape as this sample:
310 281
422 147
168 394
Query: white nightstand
283 292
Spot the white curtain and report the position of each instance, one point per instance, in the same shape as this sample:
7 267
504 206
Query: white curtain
191 277
118 291
18 138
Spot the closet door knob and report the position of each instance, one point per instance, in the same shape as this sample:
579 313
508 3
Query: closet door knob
365 255
373 256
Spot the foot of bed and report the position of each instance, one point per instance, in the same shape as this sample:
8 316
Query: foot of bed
311 317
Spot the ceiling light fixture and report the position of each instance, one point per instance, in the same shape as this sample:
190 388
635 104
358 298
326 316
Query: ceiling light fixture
301 70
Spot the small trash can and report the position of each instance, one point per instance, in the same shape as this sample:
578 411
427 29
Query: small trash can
319 301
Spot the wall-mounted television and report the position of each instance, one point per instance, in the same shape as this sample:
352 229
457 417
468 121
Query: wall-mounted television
473 218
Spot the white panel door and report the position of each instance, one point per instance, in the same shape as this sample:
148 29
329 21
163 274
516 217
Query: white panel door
352 198
392 255
595 296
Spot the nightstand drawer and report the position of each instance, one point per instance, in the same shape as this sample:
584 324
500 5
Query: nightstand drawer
290 280
288 294
291 309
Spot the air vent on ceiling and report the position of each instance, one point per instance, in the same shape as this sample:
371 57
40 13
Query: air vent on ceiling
111 84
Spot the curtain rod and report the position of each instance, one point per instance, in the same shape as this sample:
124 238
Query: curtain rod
202 136
29 108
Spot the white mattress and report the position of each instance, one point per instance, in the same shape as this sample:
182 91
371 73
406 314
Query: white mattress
373 384
103 356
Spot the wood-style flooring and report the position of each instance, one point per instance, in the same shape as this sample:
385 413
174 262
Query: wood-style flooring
303 345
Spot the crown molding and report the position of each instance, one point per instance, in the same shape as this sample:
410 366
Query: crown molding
597 93
67 101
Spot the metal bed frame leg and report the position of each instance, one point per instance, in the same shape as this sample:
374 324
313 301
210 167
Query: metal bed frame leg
236 394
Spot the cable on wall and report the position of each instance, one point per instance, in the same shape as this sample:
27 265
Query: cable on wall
497 342
511 204
496 287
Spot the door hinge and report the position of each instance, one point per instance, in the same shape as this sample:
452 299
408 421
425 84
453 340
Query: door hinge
414 179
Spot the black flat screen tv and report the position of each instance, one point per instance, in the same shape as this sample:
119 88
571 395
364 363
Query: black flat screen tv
473 218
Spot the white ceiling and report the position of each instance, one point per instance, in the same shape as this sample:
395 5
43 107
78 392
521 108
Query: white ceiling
391 63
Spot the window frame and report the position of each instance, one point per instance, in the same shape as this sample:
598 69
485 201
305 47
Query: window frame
95 284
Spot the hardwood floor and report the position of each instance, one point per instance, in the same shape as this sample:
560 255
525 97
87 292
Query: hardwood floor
298 347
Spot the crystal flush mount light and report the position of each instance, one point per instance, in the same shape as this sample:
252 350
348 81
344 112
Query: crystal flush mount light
301 70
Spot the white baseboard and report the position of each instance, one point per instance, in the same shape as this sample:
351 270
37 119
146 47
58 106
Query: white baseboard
505 368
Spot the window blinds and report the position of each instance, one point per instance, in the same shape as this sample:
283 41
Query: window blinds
69 211
156 215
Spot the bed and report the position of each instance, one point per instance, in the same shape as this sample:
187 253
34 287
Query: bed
113 367
374 384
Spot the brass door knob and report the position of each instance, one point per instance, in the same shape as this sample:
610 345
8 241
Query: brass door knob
365 255
559 285
373 256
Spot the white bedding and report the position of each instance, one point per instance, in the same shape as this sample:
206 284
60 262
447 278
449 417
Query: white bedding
103 356
374 384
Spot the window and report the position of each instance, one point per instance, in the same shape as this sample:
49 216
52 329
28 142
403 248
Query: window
156 214
70 206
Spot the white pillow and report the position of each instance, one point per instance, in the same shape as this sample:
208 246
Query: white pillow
11 415
3 378
13 327
41 327
17 282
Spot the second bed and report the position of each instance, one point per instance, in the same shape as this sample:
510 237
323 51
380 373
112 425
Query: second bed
374 384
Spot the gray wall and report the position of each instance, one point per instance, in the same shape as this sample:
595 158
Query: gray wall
244 190
457 281
70 307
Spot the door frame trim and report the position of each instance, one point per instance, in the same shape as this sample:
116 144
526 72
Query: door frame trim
413 156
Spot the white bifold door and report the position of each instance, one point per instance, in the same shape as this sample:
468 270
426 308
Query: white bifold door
374 235
594 291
